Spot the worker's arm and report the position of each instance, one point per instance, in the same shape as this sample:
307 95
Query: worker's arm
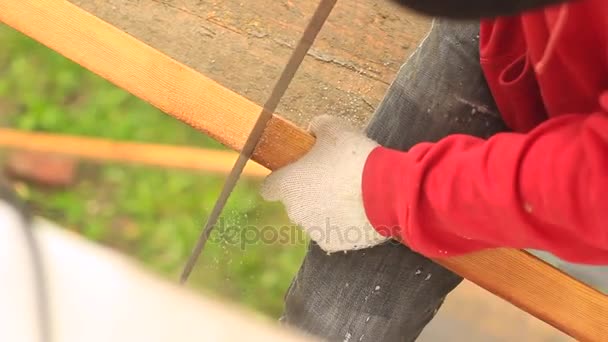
546 190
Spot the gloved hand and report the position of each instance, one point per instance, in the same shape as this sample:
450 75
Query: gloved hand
322 190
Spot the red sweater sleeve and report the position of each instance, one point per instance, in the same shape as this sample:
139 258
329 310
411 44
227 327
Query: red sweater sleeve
547 189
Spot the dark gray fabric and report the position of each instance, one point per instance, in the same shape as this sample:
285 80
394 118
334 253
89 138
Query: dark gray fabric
475 9
389 293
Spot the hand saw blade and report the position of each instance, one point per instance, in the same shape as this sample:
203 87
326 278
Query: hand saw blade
308 37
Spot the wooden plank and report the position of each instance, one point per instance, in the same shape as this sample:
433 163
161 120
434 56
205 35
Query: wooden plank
181 157
537 288
516 276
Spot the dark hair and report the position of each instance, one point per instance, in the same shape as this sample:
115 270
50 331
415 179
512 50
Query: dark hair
474 9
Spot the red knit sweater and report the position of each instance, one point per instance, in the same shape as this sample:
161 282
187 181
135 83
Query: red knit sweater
543 187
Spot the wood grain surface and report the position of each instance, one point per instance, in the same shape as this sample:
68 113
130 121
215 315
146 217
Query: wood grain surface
243 45
516 276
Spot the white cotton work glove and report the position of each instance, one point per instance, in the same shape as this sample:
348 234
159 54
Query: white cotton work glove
322 190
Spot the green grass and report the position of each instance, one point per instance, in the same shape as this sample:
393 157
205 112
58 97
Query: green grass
151 214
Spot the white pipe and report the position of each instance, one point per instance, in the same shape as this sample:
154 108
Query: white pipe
96 294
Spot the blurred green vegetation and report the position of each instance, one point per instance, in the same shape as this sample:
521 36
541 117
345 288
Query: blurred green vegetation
153 214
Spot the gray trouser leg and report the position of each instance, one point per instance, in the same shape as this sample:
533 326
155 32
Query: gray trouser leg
389 293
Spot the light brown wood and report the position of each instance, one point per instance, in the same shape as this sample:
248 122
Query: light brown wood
514 275
539 289
181 157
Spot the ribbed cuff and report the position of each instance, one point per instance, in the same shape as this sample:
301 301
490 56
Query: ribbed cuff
384 192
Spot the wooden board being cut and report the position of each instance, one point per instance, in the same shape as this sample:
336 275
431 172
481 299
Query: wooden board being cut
180 91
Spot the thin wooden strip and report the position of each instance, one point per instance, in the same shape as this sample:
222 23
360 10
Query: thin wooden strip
539 289
181 157
183 93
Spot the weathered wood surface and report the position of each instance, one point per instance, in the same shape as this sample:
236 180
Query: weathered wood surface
182 92
244 44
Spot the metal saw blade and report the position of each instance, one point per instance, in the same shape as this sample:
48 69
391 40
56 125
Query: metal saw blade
308 37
